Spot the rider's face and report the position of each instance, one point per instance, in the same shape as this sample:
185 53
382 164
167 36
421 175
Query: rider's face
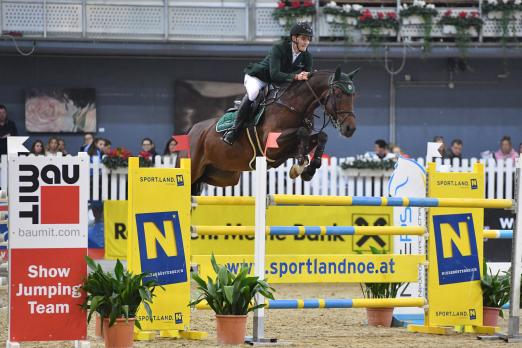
302 42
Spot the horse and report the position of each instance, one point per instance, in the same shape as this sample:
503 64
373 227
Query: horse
291 113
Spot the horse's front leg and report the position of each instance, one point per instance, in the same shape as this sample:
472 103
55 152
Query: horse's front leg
303 136
309 172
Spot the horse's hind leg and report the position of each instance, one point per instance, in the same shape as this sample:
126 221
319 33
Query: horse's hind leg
302 152
321 139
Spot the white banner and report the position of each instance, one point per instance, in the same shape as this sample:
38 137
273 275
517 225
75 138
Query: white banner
48 202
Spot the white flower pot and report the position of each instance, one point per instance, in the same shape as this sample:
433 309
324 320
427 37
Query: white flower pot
473 31
495 15
339 19
330 18
449 29
518 14
307 19
415 20
382 31
351 21
283 21
406 20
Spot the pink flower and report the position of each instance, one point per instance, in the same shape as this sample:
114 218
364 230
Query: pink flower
281 5
448 13
295 4
308 3
462 14
380 15
474 14
391 15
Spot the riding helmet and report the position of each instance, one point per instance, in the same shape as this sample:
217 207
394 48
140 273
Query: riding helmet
301 28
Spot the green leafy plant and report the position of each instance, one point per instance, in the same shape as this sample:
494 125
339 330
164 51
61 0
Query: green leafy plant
118 294
495 289
464 23
231 294
425 11
506 9
288 12
363 162
342 17
380 290
379 26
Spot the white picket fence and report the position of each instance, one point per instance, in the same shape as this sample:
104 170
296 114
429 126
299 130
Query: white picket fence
330 179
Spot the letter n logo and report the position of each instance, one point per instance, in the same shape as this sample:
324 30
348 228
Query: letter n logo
456 247
161 247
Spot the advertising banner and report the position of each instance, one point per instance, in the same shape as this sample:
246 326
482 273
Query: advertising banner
47 244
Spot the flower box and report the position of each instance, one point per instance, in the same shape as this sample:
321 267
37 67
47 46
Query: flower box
330 18
351 21
449 29
495 15
356 172
413 20
380 31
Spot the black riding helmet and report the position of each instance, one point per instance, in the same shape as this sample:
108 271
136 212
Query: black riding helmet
301 28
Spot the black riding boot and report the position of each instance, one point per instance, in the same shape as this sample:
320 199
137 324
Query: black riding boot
243 114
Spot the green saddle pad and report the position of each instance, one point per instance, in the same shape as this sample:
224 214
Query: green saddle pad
226 121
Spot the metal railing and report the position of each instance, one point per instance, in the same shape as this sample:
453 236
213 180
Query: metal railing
189 20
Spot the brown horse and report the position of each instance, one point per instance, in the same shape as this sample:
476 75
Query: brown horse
292 114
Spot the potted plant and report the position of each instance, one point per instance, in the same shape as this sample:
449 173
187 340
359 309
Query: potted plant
368 166
377 27
115 297
420 13
345 15
495 294
117 158
464 25
289 12
380 316
505 12
231 297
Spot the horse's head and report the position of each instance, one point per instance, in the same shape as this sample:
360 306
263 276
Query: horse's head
339 101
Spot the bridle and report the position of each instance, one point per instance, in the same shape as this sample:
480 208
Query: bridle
336 120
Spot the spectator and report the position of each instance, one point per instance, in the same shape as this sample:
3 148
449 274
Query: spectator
396 150
7 128
38 148
455 151
170 148
107 146
61 147
52 146
506 150
97 150
88 138
381 150
442 148
148 146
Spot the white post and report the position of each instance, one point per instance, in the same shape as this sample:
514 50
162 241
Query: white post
516 262
259 248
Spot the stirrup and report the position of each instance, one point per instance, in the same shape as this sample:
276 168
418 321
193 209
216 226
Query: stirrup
229 137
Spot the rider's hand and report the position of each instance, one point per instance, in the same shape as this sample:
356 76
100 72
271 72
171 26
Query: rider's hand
302 76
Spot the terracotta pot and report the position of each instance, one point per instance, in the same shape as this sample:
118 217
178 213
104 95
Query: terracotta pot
490 316
380 316
120 335
98 332
231 329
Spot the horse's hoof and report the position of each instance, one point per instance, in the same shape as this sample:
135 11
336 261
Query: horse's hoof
308 173
295 171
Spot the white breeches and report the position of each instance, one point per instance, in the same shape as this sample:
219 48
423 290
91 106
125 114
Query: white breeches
253 85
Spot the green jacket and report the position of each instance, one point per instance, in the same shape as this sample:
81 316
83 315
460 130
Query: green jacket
277 66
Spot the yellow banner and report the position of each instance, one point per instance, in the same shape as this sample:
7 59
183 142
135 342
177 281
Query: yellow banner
115 229
455 250
291 216
323 268
159 240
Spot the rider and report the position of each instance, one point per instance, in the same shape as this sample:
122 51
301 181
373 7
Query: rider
288 60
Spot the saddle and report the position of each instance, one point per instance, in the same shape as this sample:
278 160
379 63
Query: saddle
269 94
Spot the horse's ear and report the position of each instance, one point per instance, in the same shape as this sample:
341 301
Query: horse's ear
337 75
353 73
